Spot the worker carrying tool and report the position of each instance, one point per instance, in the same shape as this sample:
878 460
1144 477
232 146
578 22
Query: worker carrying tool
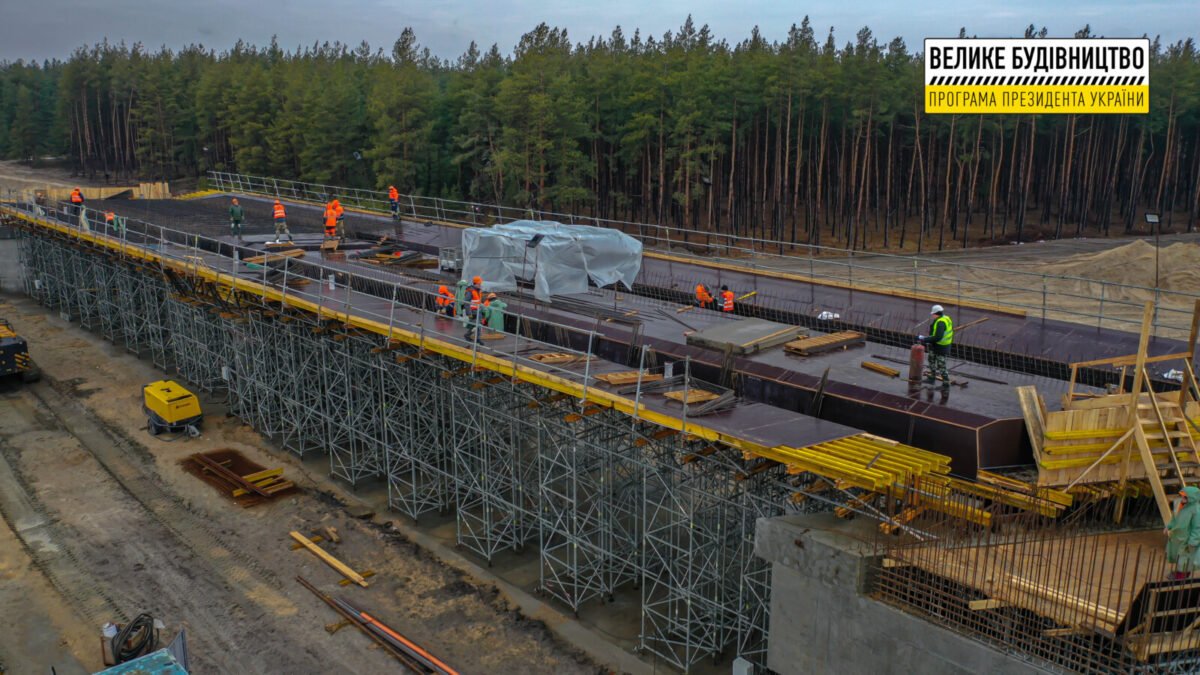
279 215
445 301
330 219
726 299
938 342
235 218
1183 535
474 299
394 201
704 299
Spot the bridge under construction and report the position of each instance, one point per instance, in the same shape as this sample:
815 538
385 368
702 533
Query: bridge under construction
592 429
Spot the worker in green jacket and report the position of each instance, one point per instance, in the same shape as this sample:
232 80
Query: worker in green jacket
235 218
1183 535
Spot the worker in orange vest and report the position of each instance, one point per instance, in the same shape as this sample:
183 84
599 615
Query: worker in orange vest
445 301
726 299
76 201
704 299
394 201
330 217
474 297
280 217
337 207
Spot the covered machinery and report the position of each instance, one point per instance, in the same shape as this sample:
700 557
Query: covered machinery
14 355
558 259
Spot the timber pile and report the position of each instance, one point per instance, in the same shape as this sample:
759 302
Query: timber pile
824 343
236 477
558 359
691 395
1118 438
272 257
628 377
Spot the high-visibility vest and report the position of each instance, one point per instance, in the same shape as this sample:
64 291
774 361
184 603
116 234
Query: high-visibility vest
279 212
444 297
948 336
330 221
702 294
108 216
475 297
393 194
727 304
76 197
338 208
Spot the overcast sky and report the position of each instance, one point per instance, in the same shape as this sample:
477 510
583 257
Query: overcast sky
40 29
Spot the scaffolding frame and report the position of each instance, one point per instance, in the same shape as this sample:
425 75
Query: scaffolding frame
609 500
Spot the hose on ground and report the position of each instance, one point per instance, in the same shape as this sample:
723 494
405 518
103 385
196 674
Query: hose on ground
140 636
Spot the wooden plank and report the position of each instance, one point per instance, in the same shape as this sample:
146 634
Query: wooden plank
694 395
332 533
823 343
629 377
986 604
881 369
1160 495
1088 607
260 259
772 335
1034 423
333 562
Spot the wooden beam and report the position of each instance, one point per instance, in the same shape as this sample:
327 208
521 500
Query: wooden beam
986 604
1089 608
333 562
1143 343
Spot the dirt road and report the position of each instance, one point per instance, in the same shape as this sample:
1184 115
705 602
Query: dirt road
109 526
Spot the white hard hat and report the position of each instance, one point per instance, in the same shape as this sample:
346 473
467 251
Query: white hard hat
936 309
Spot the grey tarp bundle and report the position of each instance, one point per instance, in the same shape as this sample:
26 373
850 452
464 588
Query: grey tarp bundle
562 262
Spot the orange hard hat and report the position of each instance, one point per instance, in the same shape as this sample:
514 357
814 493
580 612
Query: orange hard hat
477 280
276 201
391 187
443 289
235 200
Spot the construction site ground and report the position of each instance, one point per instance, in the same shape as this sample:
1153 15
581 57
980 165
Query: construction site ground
101 523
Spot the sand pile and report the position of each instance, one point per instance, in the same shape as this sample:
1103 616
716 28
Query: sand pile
1178 266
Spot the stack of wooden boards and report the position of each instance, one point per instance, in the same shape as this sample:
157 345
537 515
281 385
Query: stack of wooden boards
808 346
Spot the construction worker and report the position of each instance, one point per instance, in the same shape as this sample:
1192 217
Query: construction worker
394 201
1183 535
938 344
726 299
445 301
235 218
704 299
474 299
110 220
330 218
279 215
337 207
76 201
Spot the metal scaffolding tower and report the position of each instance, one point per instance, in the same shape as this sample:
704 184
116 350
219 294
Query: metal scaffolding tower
607 499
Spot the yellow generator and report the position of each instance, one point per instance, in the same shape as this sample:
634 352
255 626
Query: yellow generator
170 407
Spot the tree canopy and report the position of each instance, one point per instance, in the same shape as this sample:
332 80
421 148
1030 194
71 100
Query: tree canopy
799 140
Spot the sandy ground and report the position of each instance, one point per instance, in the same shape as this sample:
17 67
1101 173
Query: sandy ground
100 523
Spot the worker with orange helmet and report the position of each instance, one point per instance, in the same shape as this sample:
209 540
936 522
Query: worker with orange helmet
704 299
394 201
279 215
330 219
76 201
474 298
445 301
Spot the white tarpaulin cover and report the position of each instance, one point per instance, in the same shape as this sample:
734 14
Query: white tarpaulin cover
561 263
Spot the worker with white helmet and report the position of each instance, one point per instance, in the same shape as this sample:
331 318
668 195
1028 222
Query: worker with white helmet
938 345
